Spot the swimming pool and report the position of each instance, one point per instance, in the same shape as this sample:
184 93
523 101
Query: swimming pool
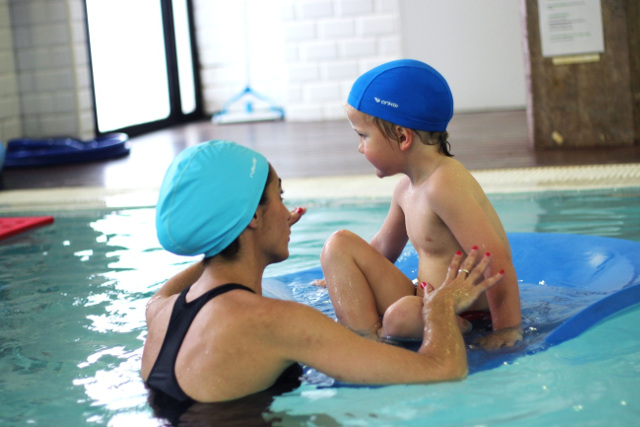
72 299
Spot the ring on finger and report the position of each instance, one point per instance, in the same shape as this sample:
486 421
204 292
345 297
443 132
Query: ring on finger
463 269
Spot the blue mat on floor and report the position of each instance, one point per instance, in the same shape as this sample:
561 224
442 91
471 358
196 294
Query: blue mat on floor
53 151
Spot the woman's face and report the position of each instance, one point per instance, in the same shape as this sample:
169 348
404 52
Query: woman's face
275 228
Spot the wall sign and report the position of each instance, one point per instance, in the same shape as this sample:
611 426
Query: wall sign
570 27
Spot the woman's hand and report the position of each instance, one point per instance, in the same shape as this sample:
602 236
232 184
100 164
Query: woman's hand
296 214
462 286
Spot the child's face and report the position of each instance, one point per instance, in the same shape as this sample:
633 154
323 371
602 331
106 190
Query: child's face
377 148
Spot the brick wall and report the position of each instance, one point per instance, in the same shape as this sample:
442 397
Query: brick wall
305 54
10 122
51 69
328 44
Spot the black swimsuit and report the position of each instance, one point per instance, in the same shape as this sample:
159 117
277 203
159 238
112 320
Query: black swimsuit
162 377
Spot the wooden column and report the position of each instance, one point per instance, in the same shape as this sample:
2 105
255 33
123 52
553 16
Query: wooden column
633 25
588 104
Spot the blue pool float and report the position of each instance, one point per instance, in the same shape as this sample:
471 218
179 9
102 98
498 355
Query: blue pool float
568 283
52 151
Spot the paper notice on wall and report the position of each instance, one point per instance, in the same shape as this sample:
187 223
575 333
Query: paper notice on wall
570 27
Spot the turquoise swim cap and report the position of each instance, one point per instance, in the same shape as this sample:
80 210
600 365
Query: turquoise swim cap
405 92
208 197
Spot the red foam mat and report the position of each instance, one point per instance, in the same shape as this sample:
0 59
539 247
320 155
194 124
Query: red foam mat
14 225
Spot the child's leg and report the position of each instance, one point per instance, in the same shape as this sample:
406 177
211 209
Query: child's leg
403 319
362 283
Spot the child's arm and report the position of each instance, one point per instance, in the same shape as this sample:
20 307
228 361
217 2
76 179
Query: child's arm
465 217
392 237
504 304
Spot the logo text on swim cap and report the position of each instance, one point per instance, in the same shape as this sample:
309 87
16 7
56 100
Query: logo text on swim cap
387 103
253 167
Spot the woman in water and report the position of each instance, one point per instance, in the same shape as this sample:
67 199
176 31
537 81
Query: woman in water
213 337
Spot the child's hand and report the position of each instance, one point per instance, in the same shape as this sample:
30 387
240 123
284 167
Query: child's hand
296 214
506 337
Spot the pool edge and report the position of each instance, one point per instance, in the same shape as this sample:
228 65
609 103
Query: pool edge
494 181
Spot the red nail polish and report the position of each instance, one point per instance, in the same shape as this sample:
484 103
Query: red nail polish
487 254
299 210
475 248
423 285
501 271
459 253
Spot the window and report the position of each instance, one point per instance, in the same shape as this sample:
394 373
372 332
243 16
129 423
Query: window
143 64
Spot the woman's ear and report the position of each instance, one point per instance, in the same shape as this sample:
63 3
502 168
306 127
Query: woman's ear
254 221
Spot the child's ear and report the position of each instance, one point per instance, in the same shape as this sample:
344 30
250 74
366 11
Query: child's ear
405 137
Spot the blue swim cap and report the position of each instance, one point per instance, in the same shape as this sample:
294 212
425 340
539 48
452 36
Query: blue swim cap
405 92
208 196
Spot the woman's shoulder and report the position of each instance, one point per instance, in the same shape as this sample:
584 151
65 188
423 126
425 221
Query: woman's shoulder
158 304
258 311
285 316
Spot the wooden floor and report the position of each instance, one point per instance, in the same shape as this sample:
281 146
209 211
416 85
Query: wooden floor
491 140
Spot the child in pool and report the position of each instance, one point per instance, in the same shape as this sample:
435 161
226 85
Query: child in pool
400 110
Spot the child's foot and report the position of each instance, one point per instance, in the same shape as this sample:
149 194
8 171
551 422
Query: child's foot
464 325
319 282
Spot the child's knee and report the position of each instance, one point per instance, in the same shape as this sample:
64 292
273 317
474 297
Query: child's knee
337 245
403 319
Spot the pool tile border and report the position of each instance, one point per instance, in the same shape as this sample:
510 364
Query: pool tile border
517 180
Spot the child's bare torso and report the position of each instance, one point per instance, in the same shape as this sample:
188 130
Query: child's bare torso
429 214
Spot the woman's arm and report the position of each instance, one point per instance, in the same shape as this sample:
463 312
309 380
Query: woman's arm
311 338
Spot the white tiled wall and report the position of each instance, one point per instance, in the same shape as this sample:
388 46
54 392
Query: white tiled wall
50 70
304 55
328 44
10 122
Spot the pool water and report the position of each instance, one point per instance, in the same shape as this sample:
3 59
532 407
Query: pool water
72 298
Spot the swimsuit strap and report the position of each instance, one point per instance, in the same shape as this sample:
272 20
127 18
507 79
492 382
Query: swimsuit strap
163 376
